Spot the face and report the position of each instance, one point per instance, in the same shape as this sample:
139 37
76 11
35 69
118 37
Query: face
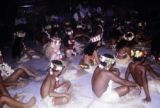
56 43
122 52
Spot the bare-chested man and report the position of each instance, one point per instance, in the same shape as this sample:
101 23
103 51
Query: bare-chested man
140 70
104 76
53 91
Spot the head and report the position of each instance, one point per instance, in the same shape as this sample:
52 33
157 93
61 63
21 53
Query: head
138 55
55 42
122 48
20 34
1 58
48 28
106 61
129 36
91 47
56 67
69 31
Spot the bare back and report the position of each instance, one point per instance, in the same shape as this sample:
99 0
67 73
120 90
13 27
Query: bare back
100 81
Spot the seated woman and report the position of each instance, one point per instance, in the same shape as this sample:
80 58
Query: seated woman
53 91
52 49
10 75
90 57
122 55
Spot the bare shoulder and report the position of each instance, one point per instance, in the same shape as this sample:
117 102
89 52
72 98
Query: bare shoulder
142 68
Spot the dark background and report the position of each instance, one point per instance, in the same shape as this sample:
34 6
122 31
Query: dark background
150 10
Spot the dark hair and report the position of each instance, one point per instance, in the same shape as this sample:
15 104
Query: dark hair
57 62
108 55
90 49
123 43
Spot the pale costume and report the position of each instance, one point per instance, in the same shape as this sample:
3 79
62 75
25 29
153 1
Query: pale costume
126 60
6 70
154 85
110 95
52 49
48 102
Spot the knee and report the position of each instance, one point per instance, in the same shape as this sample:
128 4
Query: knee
19 70
65 100
126 88
117 73
3 99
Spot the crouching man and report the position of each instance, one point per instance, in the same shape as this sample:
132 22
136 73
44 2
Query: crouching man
103 78
52 90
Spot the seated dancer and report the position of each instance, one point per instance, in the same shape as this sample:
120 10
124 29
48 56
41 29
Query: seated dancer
142 74
6 99
52 49
103 78
10 75
122 55
70 50
44 36
53 91
90 57
19 50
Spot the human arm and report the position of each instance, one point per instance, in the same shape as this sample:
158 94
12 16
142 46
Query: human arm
96 57
115 71
127 73
122 81
145 87
7 84
55 94
151 71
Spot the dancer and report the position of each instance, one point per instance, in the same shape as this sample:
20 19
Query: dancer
53 91
103 78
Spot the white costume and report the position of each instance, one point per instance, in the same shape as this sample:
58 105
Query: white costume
6 70
154 85
126 60
48 101
110 95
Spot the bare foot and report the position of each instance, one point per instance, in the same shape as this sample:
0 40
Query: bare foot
30 103
19 96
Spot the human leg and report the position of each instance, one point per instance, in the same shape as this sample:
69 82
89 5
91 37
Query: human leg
15 104
61 100
122 90
66 85
46 87
3 91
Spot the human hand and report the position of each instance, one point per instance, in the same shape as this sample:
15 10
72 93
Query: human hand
138 87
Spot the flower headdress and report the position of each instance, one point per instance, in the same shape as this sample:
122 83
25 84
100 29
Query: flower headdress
129 36
55 65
